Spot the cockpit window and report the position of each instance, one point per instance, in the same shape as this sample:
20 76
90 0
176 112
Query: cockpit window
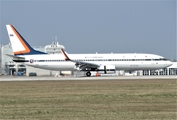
164 59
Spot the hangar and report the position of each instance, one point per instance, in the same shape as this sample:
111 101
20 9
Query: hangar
8 67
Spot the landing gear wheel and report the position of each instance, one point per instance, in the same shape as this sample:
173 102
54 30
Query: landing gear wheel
88 74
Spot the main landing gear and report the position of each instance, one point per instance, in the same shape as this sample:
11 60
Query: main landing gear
88 73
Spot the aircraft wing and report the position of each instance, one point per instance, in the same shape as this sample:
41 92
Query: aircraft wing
80 64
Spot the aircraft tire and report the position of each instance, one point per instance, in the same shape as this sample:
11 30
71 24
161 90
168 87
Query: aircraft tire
88 74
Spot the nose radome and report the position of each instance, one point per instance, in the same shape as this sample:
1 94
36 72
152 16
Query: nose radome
169 63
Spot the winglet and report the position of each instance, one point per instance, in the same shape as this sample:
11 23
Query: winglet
65 55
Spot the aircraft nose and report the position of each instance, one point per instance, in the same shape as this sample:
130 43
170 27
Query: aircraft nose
169 63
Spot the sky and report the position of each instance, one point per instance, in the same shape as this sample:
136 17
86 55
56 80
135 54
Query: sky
89 26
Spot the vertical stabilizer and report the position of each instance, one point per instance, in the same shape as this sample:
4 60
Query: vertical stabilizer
19 44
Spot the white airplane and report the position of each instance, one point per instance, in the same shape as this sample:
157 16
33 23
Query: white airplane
102 63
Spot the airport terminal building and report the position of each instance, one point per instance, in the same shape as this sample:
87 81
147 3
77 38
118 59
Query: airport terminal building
8 67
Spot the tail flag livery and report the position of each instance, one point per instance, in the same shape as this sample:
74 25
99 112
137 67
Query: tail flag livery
19 44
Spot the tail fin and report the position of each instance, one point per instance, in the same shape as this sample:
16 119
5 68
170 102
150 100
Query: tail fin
19 44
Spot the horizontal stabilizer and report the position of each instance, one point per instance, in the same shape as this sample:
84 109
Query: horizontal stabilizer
15 57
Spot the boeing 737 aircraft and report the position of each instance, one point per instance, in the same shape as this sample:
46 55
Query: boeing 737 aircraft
102 63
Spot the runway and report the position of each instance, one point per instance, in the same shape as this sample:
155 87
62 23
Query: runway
26 78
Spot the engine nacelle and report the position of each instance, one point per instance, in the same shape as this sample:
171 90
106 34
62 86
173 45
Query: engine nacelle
107 69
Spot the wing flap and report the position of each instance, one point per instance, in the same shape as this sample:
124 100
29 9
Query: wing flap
86 64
